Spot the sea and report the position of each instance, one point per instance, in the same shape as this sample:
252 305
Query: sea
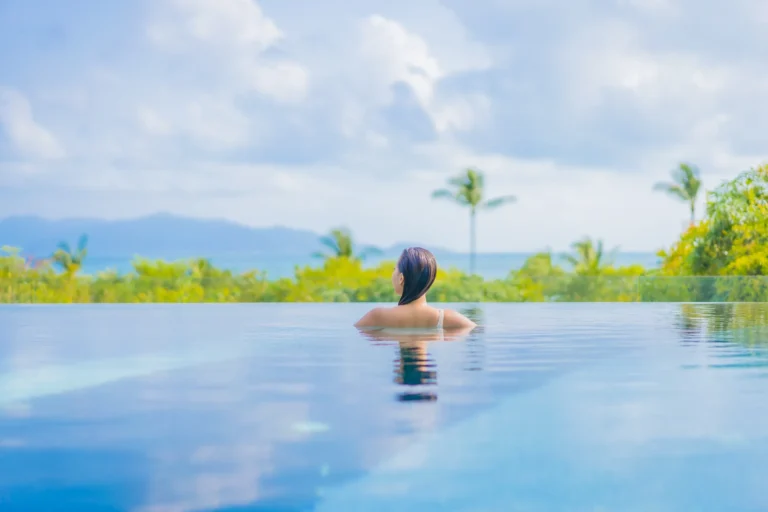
489 266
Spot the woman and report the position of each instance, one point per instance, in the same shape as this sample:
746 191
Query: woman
412 278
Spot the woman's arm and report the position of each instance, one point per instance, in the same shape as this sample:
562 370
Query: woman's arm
370 319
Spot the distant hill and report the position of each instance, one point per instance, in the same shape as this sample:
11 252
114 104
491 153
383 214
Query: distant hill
162 236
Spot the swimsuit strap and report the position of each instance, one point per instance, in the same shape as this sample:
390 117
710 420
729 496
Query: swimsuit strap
440 313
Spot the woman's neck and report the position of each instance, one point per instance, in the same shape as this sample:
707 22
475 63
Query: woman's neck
421 301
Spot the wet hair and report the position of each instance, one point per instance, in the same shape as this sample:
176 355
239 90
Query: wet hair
419 269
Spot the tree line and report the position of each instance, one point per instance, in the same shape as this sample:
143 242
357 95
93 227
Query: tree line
721 258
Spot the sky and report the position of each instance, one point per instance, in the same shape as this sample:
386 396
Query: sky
322 114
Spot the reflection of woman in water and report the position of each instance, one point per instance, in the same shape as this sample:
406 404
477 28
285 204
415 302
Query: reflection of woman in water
414 367
412 278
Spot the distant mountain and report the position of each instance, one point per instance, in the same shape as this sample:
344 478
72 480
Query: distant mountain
163 236
160 235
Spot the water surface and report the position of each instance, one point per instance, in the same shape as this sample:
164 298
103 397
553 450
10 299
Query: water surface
285 407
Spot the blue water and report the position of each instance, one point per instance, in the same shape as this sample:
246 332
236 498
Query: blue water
285 407
490 266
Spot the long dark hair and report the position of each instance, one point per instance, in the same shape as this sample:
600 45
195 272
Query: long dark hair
419 269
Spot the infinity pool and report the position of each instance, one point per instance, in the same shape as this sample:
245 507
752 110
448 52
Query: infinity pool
547 407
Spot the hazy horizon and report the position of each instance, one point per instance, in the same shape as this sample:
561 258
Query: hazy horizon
457 249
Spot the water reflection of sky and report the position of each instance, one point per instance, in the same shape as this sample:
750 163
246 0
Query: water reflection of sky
551 407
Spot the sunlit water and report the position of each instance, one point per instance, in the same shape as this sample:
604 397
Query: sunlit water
550 407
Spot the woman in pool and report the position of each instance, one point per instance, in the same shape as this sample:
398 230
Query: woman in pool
412 278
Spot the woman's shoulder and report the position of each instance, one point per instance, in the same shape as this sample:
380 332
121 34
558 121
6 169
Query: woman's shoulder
376 317
454 319
397 315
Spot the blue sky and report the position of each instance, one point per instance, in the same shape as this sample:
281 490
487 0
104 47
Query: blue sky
317 114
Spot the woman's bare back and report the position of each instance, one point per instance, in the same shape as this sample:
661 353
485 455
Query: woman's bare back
414 317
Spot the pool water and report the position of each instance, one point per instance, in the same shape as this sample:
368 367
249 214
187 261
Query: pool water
286 407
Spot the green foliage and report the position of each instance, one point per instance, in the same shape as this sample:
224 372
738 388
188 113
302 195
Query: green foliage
339 242
719 259
468 189
70 261
685 186
342 279
736 239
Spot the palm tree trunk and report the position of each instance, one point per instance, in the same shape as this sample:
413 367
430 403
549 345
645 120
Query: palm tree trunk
472 242
693 213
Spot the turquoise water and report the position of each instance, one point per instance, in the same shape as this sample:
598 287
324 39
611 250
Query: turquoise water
490 266
285 407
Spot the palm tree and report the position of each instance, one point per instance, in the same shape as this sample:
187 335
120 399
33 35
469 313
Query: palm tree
339 242
685 186
588 258
589 281
468 190
71 261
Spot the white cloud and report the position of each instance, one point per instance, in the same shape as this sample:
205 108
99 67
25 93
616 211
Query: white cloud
221 45
594 66
397 55
152 122
655 7
216 123
462 113
393 54
229 24
284 81
297 114
25 133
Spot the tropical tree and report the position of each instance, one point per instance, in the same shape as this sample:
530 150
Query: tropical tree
468 189
731 242
70 261
733 238
685 186
594 276
589 257
339 243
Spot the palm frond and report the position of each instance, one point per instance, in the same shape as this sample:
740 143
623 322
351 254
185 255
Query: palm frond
571 259
688 177
443 193
62 258
458 181
476 178
673 190
343 239
498 201
330 243
686 172
60 255
468 189
685 185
